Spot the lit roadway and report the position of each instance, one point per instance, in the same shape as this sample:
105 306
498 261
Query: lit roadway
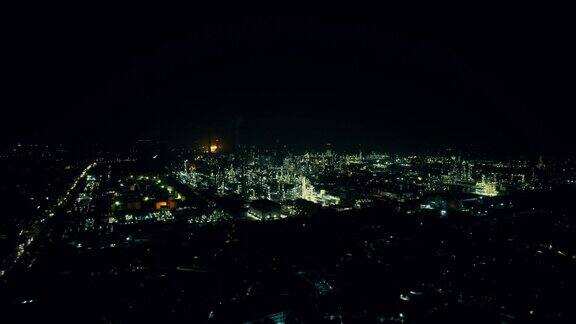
36 227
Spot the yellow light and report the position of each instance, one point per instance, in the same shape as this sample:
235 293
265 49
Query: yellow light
213 148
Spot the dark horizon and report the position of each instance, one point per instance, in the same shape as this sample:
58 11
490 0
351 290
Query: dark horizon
299 81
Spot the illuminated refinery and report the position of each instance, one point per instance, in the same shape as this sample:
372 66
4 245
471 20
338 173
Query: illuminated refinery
197 214
290 169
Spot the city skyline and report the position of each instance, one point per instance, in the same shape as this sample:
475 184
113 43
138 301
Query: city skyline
413 236
197 168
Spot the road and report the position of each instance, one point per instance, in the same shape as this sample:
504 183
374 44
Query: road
23 257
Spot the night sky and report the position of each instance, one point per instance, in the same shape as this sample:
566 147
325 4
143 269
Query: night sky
115 78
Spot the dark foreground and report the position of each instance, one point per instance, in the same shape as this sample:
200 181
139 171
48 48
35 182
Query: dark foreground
373 265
